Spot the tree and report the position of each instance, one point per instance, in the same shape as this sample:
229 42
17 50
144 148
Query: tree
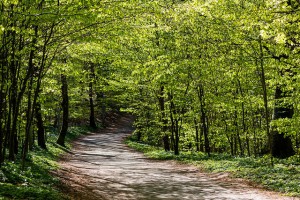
65 108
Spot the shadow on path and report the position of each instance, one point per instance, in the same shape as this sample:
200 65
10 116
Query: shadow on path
102 167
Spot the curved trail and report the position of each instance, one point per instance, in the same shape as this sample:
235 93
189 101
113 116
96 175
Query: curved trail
102 167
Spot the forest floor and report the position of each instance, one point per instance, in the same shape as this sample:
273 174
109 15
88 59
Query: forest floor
101 166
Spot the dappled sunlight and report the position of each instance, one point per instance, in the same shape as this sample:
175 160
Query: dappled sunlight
102 165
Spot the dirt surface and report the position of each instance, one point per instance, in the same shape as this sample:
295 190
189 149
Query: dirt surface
102 167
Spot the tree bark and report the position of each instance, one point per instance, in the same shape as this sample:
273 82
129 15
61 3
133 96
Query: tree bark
265 97
238 133
103 109
176 144
203 119
174 126
197 135
40 126
12 102
65 108
164 121
91 92
2 105
282 146
28 123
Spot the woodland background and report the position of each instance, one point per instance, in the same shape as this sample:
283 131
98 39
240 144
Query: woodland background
216 76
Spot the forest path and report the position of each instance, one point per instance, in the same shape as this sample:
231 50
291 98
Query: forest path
102 167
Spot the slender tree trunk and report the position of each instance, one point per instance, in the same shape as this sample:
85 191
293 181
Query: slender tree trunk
248 145
175 129
2 105
103 109
28 123
40 126
13 101
176 144
92 108
228 137
197 134
201 139
173 125
91 92
30 103
172 130
65 107
1 144
235 144
243 118
36 112
265 97
203 118
238 134
231 144
255 145
164 121
8 130
3 93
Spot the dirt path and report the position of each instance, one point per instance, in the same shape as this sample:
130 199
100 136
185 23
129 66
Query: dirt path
101 167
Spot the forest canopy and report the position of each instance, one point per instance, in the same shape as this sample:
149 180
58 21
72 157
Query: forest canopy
204 75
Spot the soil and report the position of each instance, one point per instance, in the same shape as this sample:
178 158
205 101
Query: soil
100 166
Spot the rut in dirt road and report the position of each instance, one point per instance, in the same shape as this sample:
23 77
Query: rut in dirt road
102 167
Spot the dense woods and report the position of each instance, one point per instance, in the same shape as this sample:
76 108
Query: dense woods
219 76
211 76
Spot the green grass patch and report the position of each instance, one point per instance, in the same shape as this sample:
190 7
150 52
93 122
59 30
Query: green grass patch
283 177
35 181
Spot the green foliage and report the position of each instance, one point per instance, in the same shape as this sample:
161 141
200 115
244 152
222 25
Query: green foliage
237 58
75 132
36 181
200 75
140 146
28 192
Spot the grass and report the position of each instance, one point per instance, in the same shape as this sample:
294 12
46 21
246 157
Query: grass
35 181
283 177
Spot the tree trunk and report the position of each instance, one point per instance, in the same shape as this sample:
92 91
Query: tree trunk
197 135
176 144
28 124
164 121
40 126
174 127
265 98
91 92
238 133
282 146
103 109
245 132
2 105
13 102
203 118
92 108
3 94
65 108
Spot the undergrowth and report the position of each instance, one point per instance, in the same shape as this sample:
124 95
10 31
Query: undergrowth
35 180
283 177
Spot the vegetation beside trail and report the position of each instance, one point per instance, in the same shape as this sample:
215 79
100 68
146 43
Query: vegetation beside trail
36 181
284 177
204 75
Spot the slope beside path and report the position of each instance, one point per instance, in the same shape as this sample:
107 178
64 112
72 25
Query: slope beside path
102 167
